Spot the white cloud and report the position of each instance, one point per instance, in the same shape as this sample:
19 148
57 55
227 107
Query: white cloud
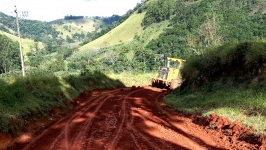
48 10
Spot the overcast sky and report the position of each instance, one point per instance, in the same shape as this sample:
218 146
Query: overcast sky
48 10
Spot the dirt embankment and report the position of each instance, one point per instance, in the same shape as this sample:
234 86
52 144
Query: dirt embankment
136 118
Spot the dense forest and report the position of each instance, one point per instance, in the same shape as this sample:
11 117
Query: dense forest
71 17
197 25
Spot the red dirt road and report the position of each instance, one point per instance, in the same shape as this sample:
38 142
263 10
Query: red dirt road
128 119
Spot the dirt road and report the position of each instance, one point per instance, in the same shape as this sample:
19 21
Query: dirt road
127 119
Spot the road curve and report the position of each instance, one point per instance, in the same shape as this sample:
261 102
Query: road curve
124 119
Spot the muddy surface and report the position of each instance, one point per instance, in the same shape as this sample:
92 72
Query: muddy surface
136 118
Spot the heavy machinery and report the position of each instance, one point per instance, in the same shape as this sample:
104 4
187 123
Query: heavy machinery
169 76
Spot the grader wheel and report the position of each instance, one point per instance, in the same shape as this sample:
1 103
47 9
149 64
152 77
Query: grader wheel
174 84
153 84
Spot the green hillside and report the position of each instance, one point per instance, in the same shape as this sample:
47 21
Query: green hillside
33 29
166 28
80 27
197 25
124 33
26 42
193 25
57 31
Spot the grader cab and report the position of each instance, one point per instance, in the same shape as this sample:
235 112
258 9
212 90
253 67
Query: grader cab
169 76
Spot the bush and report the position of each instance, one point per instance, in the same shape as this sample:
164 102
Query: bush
244 59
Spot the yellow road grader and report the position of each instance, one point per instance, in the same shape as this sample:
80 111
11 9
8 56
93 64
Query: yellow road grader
169 75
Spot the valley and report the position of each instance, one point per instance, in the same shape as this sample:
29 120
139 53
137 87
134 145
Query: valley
88 82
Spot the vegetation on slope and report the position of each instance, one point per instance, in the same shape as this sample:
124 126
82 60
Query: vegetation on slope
27 43
83 29
58 31
197 25
31 97
123 33
158 11
9 55
114 24
37 30
228 80
192 26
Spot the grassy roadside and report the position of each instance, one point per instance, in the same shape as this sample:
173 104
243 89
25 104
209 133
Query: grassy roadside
30 97
229 81
133 79
243 102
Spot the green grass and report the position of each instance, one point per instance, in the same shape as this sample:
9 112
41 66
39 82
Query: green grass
124 33
76 26
152 32
228 80
133 79
245 103
128 31
31 96
26 43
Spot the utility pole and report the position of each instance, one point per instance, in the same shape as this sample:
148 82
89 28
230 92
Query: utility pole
20 44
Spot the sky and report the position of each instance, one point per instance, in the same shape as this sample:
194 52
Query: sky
48 10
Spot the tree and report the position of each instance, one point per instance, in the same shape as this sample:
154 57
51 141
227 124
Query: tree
208 33
9 55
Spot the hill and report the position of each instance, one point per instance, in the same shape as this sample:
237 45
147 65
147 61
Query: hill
26 42
79 28
130 28
123 33
36 30
197 25
56 31
193 25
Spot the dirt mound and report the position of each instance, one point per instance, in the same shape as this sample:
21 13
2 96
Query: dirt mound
235 133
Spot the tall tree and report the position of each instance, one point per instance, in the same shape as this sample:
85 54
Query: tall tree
9 55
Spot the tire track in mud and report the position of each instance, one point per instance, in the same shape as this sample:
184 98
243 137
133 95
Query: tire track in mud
123 110
64 131
124 117
135 141
68 124
62 141
111 121
129 118
71 121
138 134
78 139
77 142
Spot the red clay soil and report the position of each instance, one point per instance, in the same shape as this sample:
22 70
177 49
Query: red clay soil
137 118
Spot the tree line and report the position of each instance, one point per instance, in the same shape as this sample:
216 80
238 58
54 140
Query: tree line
71 17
